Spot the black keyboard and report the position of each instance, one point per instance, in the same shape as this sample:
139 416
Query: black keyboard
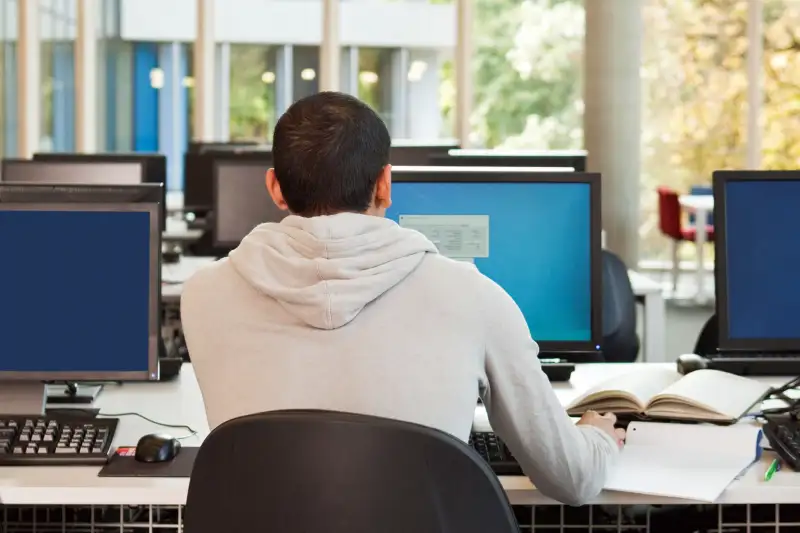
496 453
762 364
784 438
55 440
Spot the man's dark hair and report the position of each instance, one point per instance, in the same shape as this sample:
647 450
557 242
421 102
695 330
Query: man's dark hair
328 151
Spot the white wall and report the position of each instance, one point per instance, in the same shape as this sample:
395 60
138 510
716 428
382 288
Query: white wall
364 23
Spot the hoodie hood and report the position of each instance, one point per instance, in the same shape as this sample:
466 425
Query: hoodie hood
325 270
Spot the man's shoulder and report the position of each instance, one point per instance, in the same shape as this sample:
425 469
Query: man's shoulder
462 272
207 278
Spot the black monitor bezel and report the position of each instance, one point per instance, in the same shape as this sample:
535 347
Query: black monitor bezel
575 159
198 190
155 167
720 180
79 198
533 175
215 179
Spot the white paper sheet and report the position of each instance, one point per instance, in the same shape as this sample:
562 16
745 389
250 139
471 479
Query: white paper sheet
688 461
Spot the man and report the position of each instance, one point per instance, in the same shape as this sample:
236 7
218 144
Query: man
338 308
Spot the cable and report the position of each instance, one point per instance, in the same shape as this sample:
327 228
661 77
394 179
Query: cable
192 431
792 407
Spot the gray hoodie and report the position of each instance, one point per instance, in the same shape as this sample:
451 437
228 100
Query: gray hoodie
354 313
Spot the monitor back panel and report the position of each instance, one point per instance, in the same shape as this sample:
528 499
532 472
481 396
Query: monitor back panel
100 173
198 184
241 201
757 217
575 161
413 155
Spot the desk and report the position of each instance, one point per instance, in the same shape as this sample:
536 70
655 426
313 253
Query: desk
650 293
176 232
180 402
701 206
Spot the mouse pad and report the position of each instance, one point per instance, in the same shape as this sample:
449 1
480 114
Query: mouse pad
123 464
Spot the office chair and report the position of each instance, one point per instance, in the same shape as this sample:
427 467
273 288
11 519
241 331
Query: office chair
331 472
708 340
620 342
671 225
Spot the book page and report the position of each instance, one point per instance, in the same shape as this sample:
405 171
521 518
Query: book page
711 390
640 384
687 461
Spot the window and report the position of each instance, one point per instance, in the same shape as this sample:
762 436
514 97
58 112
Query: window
253 82
57 125
8 80
695 101
375 83
306 71
781 112
528 66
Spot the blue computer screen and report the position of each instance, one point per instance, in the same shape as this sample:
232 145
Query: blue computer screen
762 243
539 245
76 290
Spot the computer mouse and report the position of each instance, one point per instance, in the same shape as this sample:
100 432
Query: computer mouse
157 448
689 362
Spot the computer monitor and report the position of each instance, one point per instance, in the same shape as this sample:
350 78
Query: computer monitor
241 201
198 169
199 147
155 166
409 153
757 223
536 234
72 172
81 300
574 159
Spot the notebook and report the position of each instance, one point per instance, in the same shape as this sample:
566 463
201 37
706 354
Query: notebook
686 461
658 392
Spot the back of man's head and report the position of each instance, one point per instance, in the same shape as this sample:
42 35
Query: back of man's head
329 150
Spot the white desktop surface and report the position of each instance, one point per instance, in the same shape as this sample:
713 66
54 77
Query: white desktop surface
180 402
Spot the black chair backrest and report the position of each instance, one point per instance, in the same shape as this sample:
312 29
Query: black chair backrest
620 342
708 340
330 472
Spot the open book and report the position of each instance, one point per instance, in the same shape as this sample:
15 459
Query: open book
658 392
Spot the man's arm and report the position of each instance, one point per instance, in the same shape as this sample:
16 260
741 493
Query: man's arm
566 462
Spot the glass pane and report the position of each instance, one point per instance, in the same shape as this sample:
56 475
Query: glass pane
306 71
695 102
253 75
528 67
781 113
375 81
57 27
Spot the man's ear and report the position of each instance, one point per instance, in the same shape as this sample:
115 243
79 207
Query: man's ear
274 189
383 189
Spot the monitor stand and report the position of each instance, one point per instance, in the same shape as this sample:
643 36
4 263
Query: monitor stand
22 397
72 394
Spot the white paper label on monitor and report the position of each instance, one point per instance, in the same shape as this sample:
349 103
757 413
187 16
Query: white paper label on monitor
457 236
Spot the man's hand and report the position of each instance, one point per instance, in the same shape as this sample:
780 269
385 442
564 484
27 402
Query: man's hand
604 422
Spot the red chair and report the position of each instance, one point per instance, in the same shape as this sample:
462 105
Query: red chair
670 222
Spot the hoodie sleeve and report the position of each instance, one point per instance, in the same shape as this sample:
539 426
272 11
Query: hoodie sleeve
566 462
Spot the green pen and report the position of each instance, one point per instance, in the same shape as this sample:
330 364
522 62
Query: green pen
774 466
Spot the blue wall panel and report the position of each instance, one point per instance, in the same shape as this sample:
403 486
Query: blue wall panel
9 102
110 132
173 110
145 98
63 97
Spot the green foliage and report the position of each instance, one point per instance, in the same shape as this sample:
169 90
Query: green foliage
252 93
528 68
